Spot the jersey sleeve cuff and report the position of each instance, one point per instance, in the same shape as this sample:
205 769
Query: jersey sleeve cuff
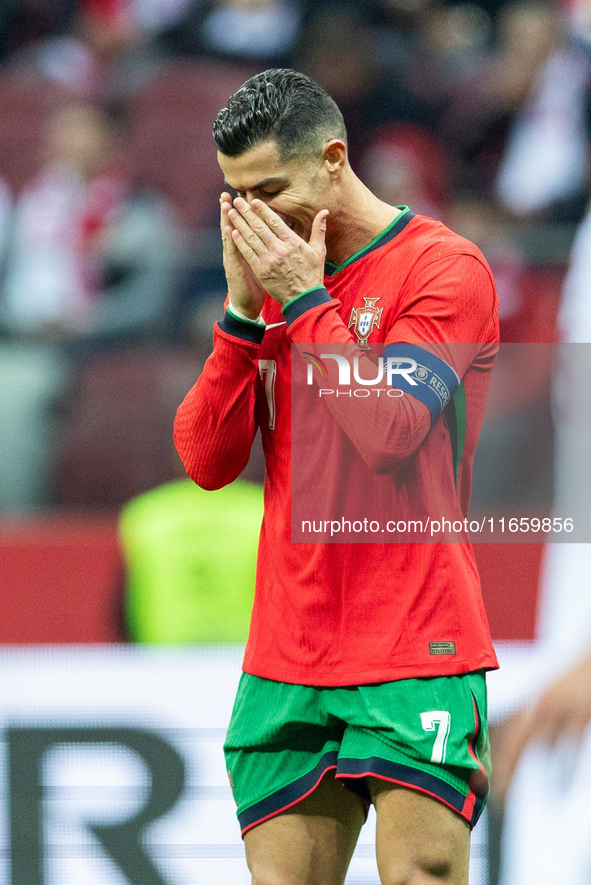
244 329
238 315
304 302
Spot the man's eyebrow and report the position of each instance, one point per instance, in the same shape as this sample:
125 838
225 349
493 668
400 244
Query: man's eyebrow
257 187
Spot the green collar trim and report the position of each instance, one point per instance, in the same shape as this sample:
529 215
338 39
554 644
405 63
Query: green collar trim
382 238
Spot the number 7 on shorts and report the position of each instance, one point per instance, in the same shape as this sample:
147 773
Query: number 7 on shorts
429 721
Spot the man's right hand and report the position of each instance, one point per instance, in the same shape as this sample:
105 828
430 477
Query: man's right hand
246 293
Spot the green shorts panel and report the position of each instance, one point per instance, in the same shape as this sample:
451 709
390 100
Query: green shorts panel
428 734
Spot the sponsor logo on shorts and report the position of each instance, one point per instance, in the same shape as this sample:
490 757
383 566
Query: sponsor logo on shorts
442 648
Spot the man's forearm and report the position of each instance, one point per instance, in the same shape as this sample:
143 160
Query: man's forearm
215 424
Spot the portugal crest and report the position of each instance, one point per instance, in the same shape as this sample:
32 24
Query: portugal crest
363 320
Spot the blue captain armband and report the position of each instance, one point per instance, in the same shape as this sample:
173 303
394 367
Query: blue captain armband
421 374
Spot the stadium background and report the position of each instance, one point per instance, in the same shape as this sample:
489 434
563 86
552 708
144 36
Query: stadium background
474 113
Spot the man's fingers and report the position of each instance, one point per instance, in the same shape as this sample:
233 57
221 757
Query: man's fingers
546 723
228 242
272 220
247 252
517 735
565 723
318 233
227 227
256 224
248 234
225 206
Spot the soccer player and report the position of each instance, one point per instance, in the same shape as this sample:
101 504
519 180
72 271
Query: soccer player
364 673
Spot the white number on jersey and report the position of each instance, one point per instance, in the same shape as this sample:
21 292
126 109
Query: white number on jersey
442 719
268 373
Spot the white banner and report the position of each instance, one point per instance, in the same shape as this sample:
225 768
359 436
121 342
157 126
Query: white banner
112 770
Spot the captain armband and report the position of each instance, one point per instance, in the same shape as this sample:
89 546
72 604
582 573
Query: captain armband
421 374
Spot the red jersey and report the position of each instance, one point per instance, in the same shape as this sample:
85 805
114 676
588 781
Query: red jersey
346 613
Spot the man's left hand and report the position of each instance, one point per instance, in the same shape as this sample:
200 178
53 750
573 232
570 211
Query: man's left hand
564 709
283 262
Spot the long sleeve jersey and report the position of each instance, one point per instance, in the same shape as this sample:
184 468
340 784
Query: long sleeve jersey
351 613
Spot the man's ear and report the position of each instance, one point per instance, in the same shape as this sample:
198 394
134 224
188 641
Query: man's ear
334 154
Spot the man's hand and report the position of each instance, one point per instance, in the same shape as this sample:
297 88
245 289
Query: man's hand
246 293
564 709
284 263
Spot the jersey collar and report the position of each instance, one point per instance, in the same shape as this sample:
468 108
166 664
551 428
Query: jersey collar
394 228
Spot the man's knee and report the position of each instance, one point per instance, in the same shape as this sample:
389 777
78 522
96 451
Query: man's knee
419 840
266 871
426 871
269 878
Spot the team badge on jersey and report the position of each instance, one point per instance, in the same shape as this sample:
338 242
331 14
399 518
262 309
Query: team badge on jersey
363 320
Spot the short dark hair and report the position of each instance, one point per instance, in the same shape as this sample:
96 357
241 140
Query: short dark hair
283 105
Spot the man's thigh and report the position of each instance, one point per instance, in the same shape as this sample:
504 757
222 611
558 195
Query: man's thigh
419 841
310 843
427 735
299 825
420 748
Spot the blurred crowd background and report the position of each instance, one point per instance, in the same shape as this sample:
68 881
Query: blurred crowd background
474 113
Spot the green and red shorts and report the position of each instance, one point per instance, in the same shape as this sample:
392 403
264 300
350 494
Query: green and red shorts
427 734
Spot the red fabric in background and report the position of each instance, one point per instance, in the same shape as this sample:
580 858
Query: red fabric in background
60 580
509 575
104 10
